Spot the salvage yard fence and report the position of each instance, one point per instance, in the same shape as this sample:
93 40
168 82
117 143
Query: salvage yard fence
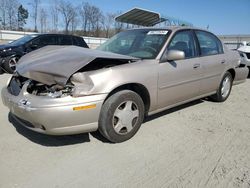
231 41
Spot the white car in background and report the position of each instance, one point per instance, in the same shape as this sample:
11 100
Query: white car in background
245 54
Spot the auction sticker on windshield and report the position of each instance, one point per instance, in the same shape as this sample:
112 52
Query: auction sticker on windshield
160 32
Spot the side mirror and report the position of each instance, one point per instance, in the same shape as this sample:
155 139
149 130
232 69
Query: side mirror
173 55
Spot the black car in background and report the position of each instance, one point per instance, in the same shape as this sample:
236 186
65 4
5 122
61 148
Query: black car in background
10 53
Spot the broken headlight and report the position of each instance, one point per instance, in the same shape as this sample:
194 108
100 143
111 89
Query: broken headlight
54 91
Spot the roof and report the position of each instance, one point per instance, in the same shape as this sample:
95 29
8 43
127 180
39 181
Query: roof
58 34
172 28
147 18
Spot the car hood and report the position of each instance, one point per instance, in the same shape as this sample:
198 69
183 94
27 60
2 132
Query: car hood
245 49
56 64
7 46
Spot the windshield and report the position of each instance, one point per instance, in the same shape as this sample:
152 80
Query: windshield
144 44
23 40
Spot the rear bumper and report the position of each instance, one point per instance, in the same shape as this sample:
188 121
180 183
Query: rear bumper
58 116
241 74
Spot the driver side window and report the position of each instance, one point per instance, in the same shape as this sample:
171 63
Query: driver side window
184 41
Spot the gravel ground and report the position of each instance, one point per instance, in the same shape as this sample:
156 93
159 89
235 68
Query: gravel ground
200 144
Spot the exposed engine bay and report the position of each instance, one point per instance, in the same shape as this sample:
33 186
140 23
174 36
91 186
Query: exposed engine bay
35 88
39 89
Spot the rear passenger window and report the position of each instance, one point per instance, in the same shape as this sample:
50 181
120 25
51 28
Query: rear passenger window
65 40
78 41
209 44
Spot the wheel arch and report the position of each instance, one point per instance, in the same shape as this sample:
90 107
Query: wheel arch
232 72
13 55
140 89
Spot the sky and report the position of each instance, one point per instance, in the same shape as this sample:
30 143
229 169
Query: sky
222 16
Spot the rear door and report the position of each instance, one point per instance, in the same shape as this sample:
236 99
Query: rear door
180 80
212 60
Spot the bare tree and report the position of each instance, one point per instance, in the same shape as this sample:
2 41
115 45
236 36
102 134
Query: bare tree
74 22
54 15
96 20
68 12
35 5
43 19
11 9
3 13
109 24
85 15
92 19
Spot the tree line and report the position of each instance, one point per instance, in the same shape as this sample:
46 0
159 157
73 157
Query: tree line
60 16
13 15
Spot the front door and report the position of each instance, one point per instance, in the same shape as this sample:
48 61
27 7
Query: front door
180 80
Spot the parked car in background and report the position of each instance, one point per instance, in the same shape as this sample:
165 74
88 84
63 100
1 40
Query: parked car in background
245 54
10 53
139 72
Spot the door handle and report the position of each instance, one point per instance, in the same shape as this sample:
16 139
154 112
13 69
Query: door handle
223 61
196 66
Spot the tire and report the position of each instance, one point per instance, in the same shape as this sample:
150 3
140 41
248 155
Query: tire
224 89
10 64
121 116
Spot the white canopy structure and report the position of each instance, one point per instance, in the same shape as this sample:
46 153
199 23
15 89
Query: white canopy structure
147 18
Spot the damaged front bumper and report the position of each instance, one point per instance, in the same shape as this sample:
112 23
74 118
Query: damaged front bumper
54 116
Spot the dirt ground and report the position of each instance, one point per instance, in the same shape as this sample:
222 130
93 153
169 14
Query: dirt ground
200 144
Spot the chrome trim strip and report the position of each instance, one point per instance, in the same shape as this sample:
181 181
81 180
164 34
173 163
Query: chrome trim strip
185 82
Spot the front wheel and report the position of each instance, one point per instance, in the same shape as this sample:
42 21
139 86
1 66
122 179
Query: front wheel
121 116
10 64
224 89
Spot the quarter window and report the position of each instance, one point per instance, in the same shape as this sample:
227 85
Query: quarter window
183 41
209 44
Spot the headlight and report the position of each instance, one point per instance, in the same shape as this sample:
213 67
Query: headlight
83 84
241 55
239 61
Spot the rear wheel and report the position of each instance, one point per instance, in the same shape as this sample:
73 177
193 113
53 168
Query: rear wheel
224 89
121 116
